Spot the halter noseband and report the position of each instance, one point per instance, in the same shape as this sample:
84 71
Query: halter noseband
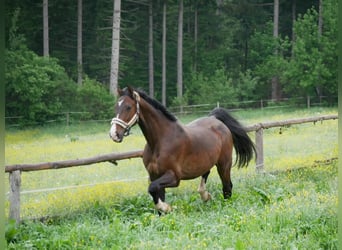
128 125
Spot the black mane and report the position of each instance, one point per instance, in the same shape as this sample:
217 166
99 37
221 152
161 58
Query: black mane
157 105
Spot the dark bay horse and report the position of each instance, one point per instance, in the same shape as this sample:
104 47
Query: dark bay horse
175 152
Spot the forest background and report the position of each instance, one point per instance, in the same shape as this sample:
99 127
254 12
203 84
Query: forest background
182 52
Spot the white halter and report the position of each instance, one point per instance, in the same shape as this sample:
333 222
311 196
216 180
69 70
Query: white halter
127 125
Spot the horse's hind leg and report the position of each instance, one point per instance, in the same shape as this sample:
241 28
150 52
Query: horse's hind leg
224 172
205 195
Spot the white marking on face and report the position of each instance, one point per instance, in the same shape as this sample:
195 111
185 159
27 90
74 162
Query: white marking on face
113 131
120 102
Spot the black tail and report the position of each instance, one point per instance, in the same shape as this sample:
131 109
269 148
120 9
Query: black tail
243 145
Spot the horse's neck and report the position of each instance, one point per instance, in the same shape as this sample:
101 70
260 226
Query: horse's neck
154 125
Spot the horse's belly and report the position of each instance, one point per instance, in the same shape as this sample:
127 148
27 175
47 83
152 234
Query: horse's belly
209 138
197 165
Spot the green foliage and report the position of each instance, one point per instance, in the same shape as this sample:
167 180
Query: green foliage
211 89
11 231
311 69
246 86
306 68
95 100
269 58
15 40
262 45
235 51
37 88
220 88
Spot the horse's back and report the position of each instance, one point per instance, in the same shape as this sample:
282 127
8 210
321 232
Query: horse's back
207 124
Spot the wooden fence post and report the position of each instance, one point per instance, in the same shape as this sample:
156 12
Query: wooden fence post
259 141
14 195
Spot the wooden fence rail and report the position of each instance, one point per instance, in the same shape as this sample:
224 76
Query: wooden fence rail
259 130
15 170
113 157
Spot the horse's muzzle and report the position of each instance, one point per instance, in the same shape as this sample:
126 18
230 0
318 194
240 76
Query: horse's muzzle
115 136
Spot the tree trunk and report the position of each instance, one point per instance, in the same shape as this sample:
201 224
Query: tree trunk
45 28
276 92
320 18
150 51
219 4
114 66
276 18
294 7
180 51
320 30
79 43
164 56
195 37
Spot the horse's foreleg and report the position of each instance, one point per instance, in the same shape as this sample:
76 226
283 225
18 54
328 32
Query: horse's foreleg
205 195
157 190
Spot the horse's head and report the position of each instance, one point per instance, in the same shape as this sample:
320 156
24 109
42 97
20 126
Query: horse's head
127 114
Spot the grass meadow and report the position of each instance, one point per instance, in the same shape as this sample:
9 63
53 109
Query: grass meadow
293 205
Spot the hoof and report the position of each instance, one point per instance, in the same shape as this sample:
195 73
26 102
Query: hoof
205 196
163 207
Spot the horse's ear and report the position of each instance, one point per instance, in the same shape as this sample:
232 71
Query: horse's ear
130 90
136 96
120 92
133 93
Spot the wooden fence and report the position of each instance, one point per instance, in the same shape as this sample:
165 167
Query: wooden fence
309 101
15 170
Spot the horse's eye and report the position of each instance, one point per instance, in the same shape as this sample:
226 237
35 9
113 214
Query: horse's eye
128 108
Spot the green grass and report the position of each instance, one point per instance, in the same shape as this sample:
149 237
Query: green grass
291 210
